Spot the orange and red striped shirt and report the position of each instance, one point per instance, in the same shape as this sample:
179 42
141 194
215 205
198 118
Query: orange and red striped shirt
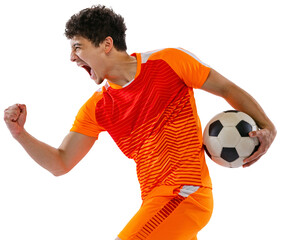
154 120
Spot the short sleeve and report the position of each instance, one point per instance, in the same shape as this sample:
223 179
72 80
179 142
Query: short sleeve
187 66
85 121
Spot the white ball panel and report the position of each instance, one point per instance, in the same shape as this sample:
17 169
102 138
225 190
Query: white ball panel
230 119
237 163
213 146
245 147
256 141
246 117
229 137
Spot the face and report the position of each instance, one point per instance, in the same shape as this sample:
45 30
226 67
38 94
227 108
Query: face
89 57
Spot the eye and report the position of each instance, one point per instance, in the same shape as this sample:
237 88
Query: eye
76 47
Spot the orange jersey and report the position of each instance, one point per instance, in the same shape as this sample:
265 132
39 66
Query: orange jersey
154 120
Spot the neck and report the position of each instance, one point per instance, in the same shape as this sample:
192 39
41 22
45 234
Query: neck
122 68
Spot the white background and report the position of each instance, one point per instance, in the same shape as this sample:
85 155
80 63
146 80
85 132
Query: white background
240 39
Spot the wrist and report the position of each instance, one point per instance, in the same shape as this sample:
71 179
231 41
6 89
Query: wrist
18 135
267 125
271 129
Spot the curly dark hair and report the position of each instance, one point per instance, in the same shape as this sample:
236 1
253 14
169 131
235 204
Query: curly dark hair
97 23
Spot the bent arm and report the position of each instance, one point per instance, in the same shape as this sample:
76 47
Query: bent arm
60 160
56 160
242 101
236 97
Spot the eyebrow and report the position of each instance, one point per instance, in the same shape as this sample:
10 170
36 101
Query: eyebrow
76 44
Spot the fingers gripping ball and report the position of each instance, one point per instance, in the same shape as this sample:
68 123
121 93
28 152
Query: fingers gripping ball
226 138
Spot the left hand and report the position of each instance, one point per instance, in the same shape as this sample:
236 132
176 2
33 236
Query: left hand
266 137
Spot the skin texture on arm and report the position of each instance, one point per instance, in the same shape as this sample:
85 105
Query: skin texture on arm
58 161
74 147
244 102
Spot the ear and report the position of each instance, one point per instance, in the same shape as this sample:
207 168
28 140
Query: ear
108 44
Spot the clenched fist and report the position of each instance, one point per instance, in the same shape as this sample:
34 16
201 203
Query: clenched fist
15 117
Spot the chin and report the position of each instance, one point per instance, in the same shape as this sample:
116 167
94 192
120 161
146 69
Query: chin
99 81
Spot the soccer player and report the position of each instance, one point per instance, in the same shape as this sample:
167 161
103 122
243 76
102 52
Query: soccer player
148 108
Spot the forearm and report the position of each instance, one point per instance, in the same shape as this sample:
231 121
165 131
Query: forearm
56 160
242 101
46 156
237 98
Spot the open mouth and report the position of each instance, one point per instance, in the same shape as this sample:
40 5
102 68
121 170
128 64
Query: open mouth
87 68
90 71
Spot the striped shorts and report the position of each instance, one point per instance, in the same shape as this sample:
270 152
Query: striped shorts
171 213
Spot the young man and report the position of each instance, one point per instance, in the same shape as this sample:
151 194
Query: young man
148 108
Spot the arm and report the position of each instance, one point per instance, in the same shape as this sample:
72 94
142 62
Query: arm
242 101
58 161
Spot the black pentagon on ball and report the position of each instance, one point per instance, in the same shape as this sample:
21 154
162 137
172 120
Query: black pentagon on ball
215 128
207 151
244 128
229 154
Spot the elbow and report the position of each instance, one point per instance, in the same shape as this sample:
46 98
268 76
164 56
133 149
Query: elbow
60 168
60 172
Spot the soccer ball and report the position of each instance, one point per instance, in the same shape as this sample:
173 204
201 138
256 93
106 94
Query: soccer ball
226 138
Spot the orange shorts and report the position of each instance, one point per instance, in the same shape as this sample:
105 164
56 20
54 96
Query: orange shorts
171 213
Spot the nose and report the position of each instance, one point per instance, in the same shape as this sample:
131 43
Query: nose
73 56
